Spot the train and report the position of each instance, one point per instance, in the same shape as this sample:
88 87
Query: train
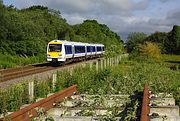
62 51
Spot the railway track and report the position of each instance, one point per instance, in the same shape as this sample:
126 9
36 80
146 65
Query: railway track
13 73
9 74
28 112
68 105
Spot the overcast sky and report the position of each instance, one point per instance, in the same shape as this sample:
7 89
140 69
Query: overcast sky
122 16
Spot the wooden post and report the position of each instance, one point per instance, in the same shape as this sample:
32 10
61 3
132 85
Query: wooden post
111 61
114 61
105 63
96 65
101 64
83 65
31 90
54 81
110 64
1 77
90 65
117 60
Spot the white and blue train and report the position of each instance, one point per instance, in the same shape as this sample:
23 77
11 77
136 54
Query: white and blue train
63 51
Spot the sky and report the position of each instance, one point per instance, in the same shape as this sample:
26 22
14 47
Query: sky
122 16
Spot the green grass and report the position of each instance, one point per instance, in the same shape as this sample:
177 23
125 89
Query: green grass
9 61
126 78
12 98
170 58
171 61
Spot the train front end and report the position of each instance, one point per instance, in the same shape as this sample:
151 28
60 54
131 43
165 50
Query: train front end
55 52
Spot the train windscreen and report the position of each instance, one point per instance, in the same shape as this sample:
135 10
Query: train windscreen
55 47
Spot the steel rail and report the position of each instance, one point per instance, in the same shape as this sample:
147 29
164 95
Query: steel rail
27 113
9 74
145 109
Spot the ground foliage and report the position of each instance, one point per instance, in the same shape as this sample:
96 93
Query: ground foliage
118 79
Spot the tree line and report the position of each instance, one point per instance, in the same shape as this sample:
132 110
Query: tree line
168 43
26 32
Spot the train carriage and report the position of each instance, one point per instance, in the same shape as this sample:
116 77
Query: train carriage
62 50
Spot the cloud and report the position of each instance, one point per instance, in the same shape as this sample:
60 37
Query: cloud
172 18
75 19
122 16
174 15
87 6
121 5
71 6
165 0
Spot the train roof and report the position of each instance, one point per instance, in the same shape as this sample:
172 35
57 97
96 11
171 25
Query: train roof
71 42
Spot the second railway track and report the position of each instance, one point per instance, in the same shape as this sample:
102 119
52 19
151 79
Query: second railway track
13 73
9 74
69 105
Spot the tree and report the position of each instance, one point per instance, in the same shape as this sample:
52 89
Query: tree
149 49
93 32
2 21
172 43
27 31
159 38
134 39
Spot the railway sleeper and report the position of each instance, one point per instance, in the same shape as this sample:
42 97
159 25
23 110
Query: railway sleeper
163 108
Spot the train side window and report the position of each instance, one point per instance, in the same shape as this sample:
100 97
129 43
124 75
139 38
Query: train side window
94 50
103 48
83 49
88 49
68 49
91 48
98 48
78 49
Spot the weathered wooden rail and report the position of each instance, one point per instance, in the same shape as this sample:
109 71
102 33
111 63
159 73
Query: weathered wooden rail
27 113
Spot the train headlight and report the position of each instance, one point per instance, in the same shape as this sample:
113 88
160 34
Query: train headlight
60 56
48 56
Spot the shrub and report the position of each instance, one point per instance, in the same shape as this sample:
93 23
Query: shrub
149 49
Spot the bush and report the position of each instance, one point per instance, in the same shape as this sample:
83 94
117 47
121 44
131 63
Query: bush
149 49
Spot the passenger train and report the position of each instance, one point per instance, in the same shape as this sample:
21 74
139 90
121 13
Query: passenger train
62 51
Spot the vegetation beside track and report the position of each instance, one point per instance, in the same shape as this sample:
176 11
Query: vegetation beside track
128 77
9 61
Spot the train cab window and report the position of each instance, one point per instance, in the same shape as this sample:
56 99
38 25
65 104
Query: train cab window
68 49
55 47
103 48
